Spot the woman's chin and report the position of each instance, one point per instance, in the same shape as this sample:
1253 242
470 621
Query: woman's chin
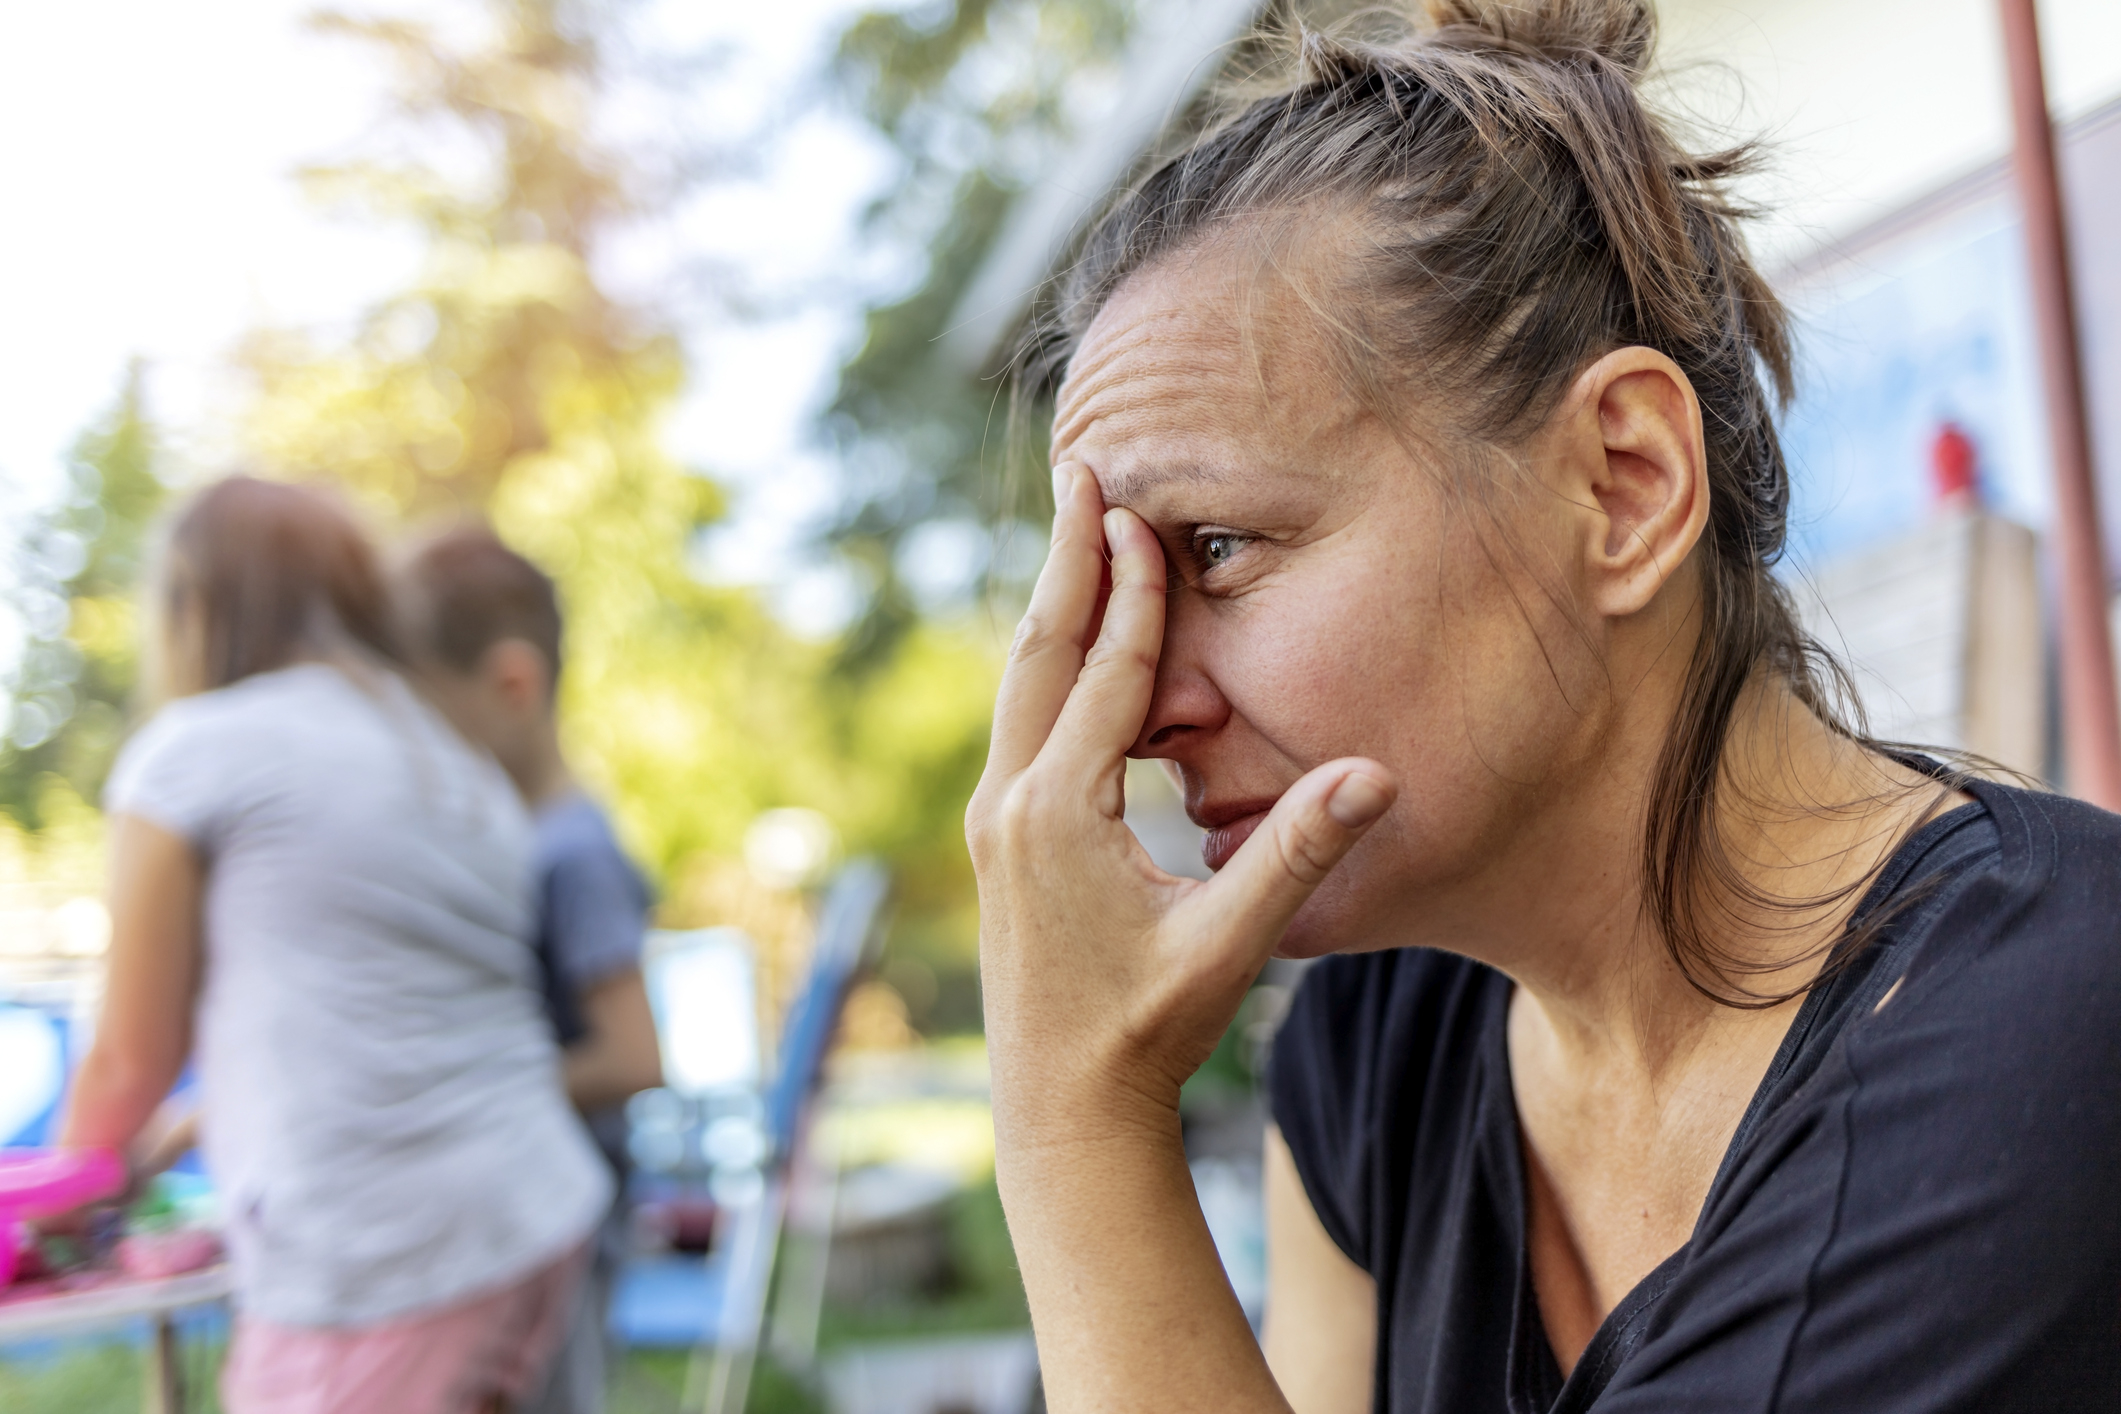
1326 924
1294 948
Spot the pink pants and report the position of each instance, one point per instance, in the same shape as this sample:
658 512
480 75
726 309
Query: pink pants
455 1360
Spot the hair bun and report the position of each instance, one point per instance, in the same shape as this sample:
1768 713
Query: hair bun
1622 32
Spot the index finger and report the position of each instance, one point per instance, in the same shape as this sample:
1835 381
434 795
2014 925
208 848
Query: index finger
1104 714
1054 634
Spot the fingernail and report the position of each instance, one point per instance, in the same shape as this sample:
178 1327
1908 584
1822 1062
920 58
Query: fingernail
1356 801
1062 480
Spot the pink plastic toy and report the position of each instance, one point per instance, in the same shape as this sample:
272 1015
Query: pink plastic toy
36 1183
154 1255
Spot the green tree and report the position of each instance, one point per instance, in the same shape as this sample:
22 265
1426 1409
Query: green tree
977 95
509 380
78 567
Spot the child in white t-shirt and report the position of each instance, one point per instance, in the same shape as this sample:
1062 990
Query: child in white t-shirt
322 896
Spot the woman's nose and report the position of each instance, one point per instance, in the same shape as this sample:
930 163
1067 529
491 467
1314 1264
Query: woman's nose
1185 709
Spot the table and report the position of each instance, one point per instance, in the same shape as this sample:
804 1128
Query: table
38 1308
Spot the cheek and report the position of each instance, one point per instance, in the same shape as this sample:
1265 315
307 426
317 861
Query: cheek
1328 665
1440 675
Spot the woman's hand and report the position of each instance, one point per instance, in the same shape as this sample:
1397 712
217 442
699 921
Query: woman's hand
1107 981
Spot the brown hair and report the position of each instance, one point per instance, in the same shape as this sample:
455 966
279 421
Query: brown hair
1522 214
466 591
260 575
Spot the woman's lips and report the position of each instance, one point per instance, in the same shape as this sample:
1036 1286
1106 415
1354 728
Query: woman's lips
1220 843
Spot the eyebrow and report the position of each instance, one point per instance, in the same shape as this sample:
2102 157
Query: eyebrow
1125 488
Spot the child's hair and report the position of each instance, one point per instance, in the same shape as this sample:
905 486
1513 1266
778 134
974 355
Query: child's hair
1514 212
257 575
463 591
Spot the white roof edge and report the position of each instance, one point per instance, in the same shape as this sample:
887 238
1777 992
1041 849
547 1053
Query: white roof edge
1171 58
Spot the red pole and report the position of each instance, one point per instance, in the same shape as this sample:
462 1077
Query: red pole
2091 721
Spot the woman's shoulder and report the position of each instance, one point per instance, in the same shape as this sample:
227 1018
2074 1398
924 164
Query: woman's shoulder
292 709
1353 1002
2005 1020
1378 1066
262 733
2063 845
263 699
2044 907
1960 1135
1367 1028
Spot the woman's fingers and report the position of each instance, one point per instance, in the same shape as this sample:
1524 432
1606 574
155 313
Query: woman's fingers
1311 829
1104 713
1055 631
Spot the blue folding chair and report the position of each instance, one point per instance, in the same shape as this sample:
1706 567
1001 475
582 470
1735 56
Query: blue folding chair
726 1297
703 989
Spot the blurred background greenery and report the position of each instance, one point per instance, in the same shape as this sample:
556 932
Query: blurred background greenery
509 379
522 147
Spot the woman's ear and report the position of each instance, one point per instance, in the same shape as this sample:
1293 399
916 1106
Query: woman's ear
1635 455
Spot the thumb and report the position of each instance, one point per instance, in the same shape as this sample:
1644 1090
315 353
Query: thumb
1311 828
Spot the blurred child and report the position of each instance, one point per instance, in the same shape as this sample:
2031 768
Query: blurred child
484 625
319 891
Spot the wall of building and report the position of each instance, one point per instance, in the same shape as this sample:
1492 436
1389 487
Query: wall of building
1870 104
1923 318
1897 244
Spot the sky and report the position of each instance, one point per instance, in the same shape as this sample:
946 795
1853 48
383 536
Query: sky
150 149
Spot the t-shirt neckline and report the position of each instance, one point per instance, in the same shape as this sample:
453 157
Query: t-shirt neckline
1541 1380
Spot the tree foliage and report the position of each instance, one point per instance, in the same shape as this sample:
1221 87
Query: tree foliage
978 96
508 380
511 381
508 344
76 567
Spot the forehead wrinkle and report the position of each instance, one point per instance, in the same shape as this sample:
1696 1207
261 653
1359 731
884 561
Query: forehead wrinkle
1196 370
1131 348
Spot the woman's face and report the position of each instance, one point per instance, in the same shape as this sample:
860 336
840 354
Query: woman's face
1328 598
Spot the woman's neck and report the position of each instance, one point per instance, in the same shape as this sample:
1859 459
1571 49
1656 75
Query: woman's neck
1628 1079
1805 819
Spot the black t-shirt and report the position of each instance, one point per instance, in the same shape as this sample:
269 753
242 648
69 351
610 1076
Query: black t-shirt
1921 1209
